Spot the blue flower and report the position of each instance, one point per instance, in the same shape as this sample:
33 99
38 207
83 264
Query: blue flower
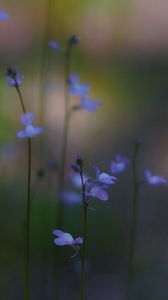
66 239
154 179
3 16
76 88
54 45
13 77
97 192
29 131
71 198
104 177
120 165
89 104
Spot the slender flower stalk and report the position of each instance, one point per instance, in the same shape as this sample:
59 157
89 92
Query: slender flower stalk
133 219
27 243
64 135
83 249
14 80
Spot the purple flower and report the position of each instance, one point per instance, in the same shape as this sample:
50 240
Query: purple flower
89 104
3 16
120 165
29 131
76 88
76 179
71 198
154 179
97 192
54 45
104 177
13 77
64 238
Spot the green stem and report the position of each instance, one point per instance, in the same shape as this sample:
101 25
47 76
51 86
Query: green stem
64 139
83 250
27 254
133 220
27 242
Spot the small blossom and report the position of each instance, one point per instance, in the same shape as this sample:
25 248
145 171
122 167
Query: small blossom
104 177
76 179
154 179
13 77
71 198
89 104
30 130
64 238
54 45
76 88
120 165
98 193
3 16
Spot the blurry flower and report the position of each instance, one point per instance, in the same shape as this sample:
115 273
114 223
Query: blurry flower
13 77
71 198
87 104
104 177
64 238
76 88
120 165
54 45
97 192
29 131
154 179
76 179
3 16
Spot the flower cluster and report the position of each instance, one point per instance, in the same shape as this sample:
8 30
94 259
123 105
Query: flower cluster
81 90
13 77
30 130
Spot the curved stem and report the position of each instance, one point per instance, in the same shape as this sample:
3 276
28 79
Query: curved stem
83 250
21 99
133 219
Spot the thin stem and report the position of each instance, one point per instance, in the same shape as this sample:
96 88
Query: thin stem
21 99
27 254
133 220
83 250
28 206
65 137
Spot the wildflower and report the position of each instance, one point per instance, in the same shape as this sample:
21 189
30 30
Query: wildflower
71 198
154 179
66 239
13 77
98 193
120 165
104 177
76 179
54 45
76 88
3 16
29 131
87 104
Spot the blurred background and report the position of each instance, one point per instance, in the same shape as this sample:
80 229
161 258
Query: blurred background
123 55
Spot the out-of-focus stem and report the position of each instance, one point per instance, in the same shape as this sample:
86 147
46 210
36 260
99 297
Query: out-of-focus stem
133 219
27 235
60 206
83 249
